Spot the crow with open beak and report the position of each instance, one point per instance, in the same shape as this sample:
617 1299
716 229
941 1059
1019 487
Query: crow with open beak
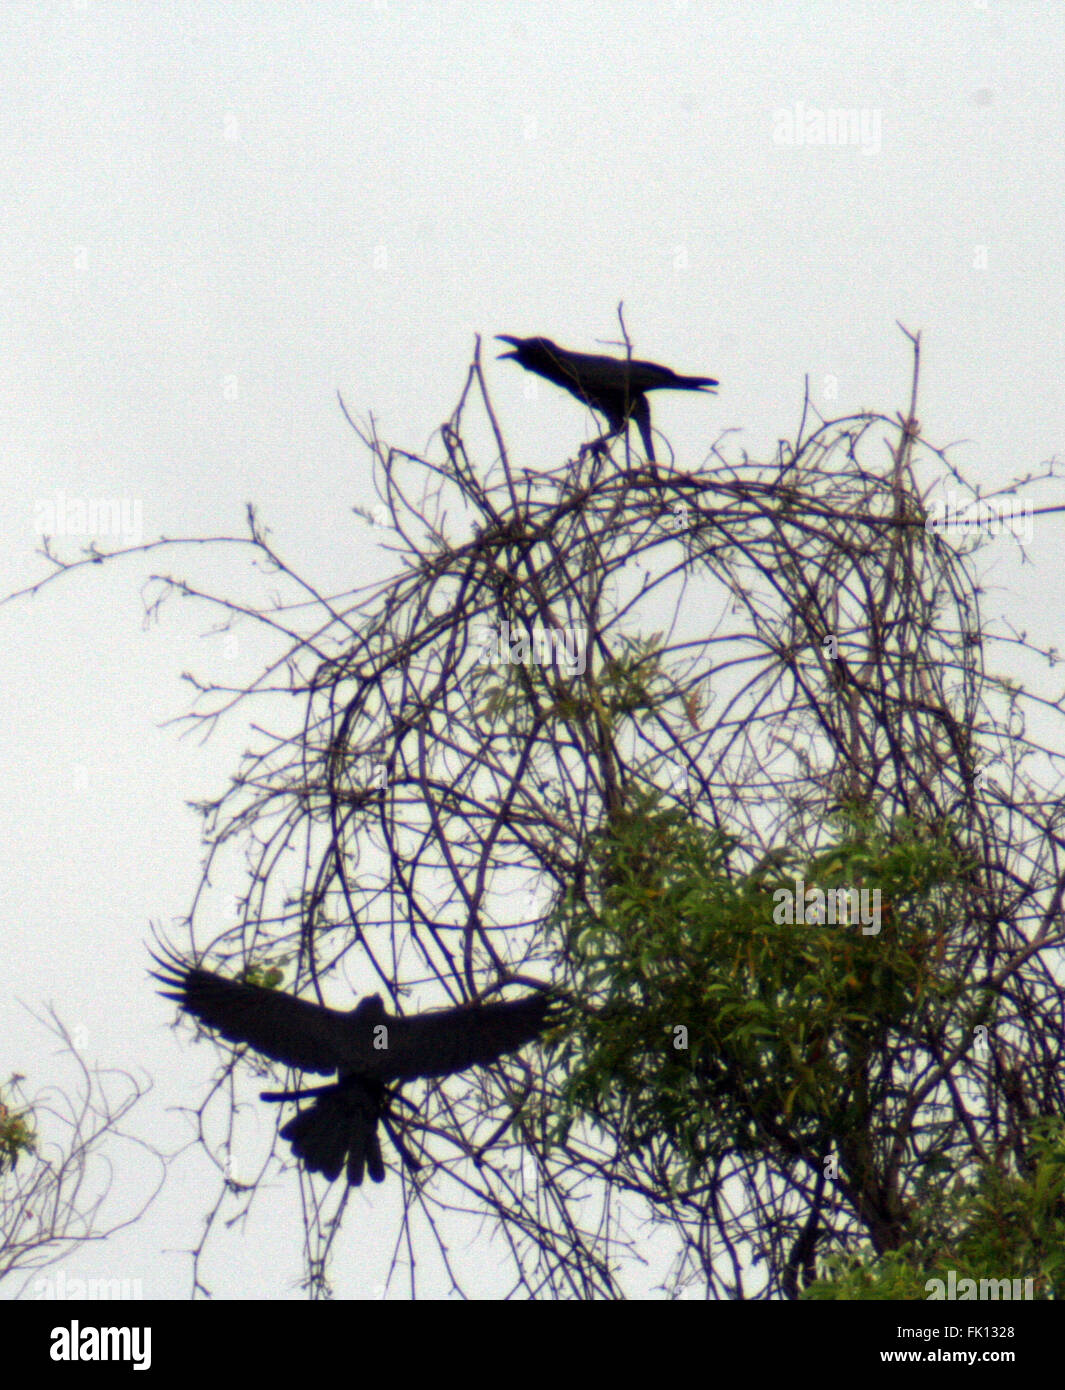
615 386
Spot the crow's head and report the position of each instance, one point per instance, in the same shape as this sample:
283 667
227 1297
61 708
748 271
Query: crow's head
528 350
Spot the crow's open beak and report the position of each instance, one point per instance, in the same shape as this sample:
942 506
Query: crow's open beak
503 338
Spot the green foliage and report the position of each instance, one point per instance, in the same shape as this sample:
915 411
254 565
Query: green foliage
891 1278
266 976
715 1026
997 1225
17 1136
621 687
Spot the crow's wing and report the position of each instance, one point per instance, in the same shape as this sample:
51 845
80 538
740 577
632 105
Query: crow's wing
278 1025
451 1040
366 1042
572 373
649 376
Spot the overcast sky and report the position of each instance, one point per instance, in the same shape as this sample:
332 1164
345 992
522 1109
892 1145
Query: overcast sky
216 216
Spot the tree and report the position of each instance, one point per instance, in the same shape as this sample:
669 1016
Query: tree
58 1156
573 739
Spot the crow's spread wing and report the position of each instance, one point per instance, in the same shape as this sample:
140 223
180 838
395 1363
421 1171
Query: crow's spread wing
366 1042
451 1040
278 1025
367 1046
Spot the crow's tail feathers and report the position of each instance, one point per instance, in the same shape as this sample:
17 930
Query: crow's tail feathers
693 383
341 1127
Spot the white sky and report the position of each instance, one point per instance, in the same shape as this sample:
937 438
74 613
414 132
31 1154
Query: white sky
216 216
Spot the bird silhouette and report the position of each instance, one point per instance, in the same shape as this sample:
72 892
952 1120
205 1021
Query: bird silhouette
615 386
367 1047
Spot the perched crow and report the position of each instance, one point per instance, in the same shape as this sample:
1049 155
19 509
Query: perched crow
367 1048
615 386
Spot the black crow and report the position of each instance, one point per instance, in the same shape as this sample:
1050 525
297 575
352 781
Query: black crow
615 386
366 1047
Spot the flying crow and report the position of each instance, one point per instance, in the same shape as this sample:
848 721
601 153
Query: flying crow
367 1048
615 386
